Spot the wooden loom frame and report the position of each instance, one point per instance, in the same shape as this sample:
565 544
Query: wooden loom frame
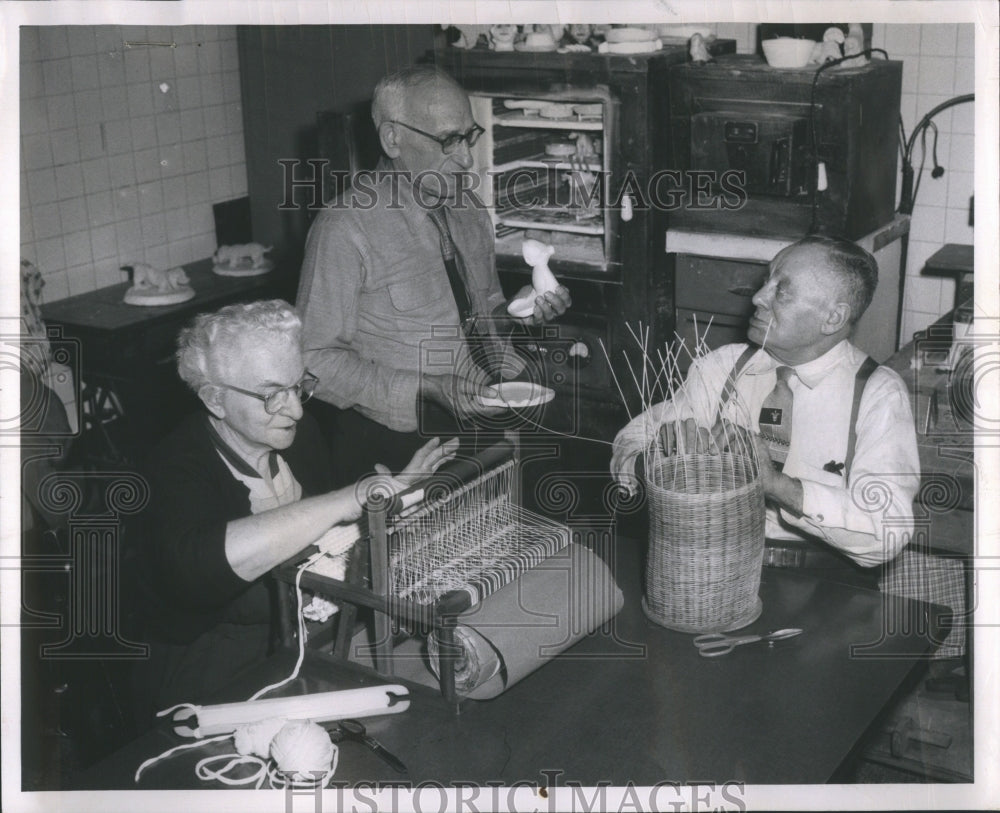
371 555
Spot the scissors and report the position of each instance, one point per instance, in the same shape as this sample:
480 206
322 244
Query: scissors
353 730
718 643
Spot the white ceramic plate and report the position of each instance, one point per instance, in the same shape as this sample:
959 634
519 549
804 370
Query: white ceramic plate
518 395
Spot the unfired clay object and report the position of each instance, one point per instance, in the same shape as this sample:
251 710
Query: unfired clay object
536 254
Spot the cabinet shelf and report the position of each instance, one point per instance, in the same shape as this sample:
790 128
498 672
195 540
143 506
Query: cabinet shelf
552 219
518 119
541 161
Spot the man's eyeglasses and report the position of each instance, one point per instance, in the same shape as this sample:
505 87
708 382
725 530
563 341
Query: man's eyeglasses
449 143
278 399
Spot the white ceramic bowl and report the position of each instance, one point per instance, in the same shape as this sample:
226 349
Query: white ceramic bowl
787 52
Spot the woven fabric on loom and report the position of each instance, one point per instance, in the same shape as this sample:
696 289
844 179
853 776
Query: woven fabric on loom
474 538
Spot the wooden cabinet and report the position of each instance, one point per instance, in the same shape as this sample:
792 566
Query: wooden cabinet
620 279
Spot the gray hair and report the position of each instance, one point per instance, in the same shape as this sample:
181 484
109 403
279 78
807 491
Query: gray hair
209 333
389 98
856 270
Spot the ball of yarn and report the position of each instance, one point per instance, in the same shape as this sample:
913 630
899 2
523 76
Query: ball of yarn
255 738
302 747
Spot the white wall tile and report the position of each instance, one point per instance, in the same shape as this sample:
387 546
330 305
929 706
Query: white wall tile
136 66
45 221
143 132
168 128
51 254
147 165
85 73
29 45
174 192
81 41
927 224
111 68
69 181
81 278
114 102
962 154
53 42
922 294
154 230
73 215
140 99
101 208
36 151
150 196
122 170
937 75
960 186
65 146
32 85
940 39
902 40
957 228
41 186
103 242
61 111
96 177
965 76
91 141
171 161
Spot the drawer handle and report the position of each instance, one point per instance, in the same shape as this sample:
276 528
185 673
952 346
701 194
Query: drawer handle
743 290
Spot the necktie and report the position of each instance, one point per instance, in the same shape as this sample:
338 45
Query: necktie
450 255
776 417
483 348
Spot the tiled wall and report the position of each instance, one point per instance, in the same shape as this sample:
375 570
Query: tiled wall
124 150
938 63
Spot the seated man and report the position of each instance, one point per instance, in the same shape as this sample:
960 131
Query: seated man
234 491
822 494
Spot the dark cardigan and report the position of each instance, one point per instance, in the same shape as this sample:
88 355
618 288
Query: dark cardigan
180 535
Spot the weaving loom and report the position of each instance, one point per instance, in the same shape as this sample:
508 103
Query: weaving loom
439 553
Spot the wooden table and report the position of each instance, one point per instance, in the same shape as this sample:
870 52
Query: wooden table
633 703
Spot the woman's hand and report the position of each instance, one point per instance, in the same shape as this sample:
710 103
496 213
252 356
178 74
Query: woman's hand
427 459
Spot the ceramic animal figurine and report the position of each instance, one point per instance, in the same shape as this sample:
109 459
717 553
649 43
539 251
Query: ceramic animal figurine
147 278
830 48
536 254
232 256
698 49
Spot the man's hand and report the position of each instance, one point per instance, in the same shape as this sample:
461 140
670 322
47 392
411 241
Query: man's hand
778 487
686 437
550 305
460 395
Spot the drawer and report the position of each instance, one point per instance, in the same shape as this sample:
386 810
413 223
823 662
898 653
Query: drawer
717 285
714 329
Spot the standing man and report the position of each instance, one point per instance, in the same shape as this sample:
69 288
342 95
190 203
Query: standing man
396 271
838 450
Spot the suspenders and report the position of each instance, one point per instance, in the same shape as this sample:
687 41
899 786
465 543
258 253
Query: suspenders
868 366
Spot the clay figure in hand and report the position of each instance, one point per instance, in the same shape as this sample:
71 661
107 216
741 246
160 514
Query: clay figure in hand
536 254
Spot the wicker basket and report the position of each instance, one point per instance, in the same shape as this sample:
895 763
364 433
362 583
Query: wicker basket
706 542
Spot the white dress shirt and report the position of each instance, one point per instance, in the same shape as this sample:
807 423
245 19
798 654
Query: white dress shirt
866 513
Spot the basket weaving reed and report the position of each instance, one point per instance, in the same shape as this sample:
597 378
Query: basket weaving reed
706 541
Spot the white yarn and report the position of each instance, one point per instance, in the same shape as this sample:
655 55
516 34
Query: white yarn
255 738
302 747
251 737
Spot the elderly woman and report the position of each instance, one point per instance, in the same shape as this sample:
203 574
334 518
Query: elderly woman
234 491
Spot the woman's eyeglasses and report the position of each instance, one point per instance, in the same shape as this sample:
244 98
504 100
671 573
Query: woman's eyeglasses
276 400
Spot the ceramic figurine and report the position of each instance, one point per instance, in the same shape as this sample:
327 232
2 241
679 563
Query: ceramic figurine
502 37
536 254
699 50
854 45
